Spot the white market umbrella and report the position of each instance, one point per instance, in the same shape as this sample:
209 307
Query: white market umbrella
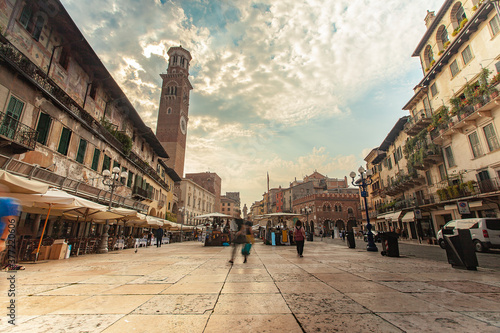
209 215
53 198
18 184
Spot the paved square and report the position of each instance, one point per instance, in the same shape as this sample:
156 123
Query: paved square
185 287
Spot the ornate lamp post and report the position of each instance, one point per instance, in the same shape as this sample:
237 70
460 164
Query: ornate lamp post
182 212
365 179
307 211
112 179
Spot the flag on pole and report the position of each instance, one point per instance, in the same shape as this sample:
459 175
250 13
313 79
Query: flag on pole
268 181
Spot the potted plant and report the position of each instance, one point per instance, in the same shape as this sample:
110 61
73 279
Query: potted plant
446 44
442 193
463 23
495 79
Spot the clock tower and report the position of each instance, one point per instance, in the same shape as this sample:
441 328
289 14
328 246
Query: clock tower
171 127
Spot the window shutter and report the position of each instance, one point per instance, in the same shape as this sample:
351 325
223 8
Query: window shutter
64 141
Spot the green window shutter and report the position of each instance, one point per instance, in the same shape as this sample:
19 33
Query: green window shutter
82 148
43 128
106 163
95 159
64 141
130 178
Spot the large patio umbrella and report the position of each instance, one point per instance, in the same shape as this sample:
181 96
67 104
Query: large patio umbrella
58 200
18 184
209 215
154 221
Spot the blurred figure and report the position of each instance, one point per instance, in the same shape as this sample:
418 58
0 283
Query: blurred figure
299 236
249 240
9 210
238 239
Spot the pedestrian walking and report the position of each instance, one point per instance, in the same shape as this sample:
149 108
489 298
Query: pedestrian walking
343 235
238 239
299 236
159 236
150 234
249 240
321 234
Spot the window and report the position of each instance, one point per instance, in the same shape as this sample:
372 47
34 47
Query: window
95 159
389 163
460 14
169 110
64 58
93 91
427 107
491 137
434 90
495 25
64 141
11 119
449 157
130 178
37 31
82 148
33 24
442 172
43 127
106 162
454 68
444 36
475 144
467 55
428 177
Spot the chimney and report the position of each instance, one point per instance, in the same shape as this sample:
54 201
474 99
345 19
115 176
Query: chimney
429 18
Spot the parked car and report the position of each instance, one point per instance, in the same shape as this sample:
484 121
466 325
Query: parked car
376 236
485 232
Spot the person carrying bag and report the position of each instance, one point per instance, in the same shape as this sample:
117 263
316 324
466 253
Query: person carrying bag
299 236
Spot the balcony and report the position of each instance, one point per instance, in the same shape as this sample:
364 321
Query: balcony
142 194
468 189
148 170
161 204
404 183
418 122
20 137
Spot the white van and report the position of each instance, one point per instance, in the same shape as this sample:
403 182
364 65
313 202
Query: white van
485 232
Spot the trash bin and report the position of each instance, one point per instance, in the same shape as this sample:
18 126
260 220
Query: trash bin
390 245
460 250
351 243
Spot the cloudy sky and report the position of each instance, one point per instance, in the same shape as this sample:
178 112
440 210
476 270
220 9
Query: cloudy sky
280 86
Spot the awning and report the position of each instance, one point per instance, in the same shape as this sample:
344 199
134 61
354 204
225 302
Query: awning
409 217
391 216
18 184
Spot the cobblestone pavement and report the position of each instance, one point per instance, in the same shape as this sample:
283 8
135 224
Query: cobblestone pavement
190 288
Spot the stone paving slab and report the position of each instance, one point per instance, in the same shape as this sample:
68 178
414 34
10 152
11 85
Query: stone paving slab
190 288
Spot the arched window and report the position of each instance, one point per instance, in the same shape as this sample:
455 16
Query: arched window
457 15
428 57
340 208
442 38
350 211
329 208
324 208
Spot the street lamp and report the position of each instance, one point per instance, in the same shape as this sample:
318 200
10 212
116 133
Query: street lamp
112 179
365 179
307 211
182 211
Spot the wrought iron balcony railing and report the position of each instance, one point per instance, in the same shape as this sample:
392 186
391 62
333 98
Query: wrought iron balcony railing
17 132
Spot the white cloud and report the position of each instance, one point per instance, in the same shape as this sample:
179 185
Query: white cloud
278 63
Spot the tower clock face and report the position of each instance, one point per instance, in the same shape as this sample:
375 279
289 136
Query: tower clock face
183 125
